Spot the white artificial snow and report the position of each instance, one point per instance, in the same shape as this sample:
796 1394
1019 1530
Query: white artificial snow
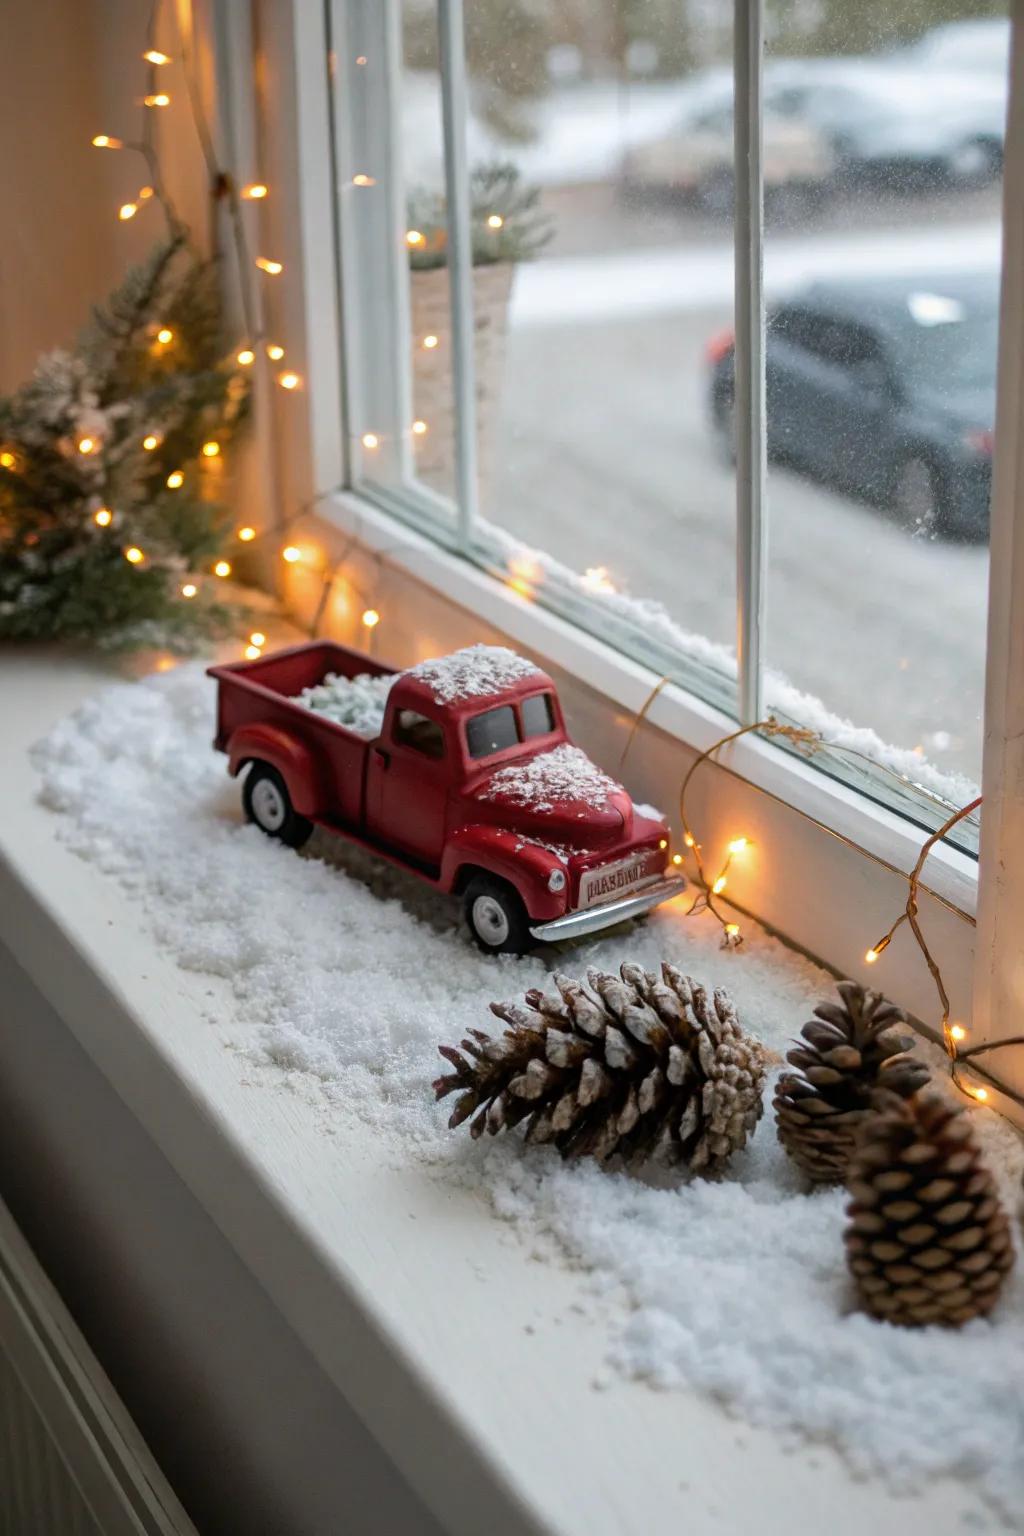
356 702
649 812
344 977
476 671
562 852
550 779
653 619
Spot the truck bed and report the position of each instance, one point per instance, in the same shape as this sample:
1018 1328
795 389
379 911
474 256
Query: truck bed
261 692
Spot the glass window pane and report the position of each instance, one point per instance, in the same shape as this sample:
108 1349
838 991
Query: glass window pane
600 155
537 715
418 733
426 238
492 731
389 155
881 273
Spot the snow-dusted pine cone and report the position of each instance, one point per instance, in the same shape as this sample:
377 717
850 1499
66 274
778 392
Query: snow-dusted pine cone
927 1241
641 1065
848 1050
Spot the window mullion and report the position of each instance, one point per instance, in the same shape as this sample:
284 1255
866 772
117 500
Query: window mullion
460 260
749 382
999 957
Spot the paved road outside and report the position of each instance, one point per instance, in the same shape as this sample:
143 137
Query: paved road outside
605 457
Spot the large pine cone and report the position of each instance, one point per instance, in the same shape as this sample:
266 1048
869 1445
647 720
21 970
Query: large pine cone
644 1066
928 1241
848 1051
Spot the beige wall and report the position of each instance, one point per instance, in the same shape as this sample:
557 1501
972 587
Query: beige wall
70 69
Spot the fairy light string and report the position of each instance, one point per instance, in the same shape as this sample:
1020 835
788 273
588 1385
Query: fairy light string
952 1034
709 888
226 189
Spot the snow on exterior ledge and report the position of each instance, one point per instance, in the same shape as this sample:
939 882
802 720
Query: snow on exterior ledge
652 619
474 672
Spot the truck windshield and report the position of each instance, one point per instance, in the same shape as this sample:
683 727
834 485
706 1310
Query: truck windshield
492 731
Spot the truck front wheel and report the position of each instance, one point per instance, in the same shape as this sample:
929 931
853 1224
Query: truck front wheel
266 801
496 917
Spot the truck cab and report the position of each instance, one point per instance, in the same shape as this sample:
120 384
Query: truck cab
424 771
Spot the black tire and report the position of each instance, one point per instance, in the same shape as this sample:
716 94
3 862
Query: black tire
496 917
791 204
723 420
267 803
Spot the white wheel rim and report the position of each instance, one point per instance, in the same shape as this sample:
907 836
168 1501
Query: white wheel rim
490 920
917 495
970 160
268 806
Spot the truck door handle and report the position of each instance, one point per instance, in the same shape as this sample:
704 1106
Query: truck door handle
383 757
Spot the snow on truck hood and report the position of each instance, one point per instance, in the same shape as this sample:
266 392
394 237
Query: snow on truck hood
551 781
559 794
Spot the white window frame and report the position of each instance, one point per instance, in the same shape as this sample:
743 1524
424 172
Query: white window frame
837 840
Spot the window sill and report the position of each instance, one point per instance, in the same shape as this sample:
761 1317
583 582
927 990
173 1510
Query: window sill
877 832
409 1294
827 868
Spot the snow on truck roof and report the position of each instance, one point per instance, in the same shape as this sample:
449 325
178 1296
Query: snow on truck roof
479 672
476 672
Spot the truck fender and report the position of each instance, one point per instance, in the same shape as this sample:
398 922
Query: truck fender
510 856
293 761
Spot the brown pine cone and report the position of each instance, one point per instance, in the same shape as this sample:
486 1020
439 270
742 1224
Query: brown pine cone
643 1065
928 1241
848 1051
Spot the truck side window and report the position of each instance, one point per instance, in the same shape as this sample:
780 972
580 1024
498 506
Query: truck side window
491 731
537 715
412 730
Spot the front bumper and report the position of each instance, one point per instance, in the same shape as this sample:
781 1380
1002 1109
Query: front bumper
592 919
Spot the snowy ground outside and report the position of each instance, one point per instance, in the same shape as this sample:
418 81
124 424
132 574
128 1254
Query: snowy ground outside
345 977
604 456
599 448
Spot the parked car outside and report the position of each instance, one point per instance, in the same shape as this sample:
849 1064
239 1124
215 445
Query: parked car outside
884 388
981 44
695 158
894 123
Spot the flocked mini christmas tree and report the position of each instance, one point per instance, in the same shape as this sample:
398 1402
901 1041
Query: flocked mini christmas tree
109 461
847 1051
928 1241
640 1064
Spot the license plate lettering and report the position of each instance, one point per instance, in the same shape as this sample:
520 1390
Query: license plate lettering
607 883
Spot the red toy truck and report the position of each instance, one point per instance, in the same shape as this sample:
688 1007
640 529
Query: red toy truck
458 769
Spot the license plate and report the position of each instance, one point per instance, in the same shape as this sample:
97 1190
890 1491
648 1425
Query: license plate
612 880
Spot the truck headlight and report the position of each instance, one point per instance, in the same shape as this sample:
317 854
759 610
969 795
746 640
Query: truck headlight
556 880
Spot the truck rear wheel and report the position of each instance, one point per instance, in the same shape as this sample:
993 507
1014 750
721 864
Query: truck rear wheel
266 802
496 917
